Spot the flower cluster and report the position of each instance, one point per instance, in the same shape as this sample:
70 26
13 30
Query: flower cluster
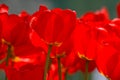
49 44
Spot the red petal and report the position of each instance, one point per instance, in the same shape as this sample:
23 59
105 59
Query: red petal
3 8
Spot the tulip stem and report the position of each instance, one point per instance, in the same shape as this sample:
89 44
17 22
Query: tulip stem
66 74
8 54
86 75
7 58
59 69
6 78
47 61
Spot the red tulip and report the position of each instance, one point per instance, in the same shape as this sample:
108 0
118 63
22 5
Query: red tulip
14 29
22 55
26 67
108 53
16 32
84 40
86 33
54 26
73 63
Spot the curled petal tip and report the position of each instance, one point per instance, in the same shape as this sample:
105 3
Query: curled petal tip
3 8
43 7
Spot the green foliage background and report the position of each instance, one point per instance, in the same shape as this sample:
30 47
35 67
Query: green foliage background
82 6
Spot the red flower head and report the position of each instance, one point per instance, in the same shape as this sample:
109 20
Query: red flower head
20 53
26 67
108 57
53 26
15 31
86 33
72 63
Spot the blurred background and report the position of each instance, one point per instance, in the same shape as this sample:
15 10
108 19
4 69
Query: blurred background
80 6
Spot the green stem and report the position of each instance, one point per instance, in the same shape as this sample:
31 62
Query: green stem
6 78
59 69
47 61
86 75
8 54
66 74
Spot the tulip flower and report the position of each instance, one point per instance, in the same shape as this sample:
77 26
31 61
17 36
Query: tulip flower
108 52
19 51
54 26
